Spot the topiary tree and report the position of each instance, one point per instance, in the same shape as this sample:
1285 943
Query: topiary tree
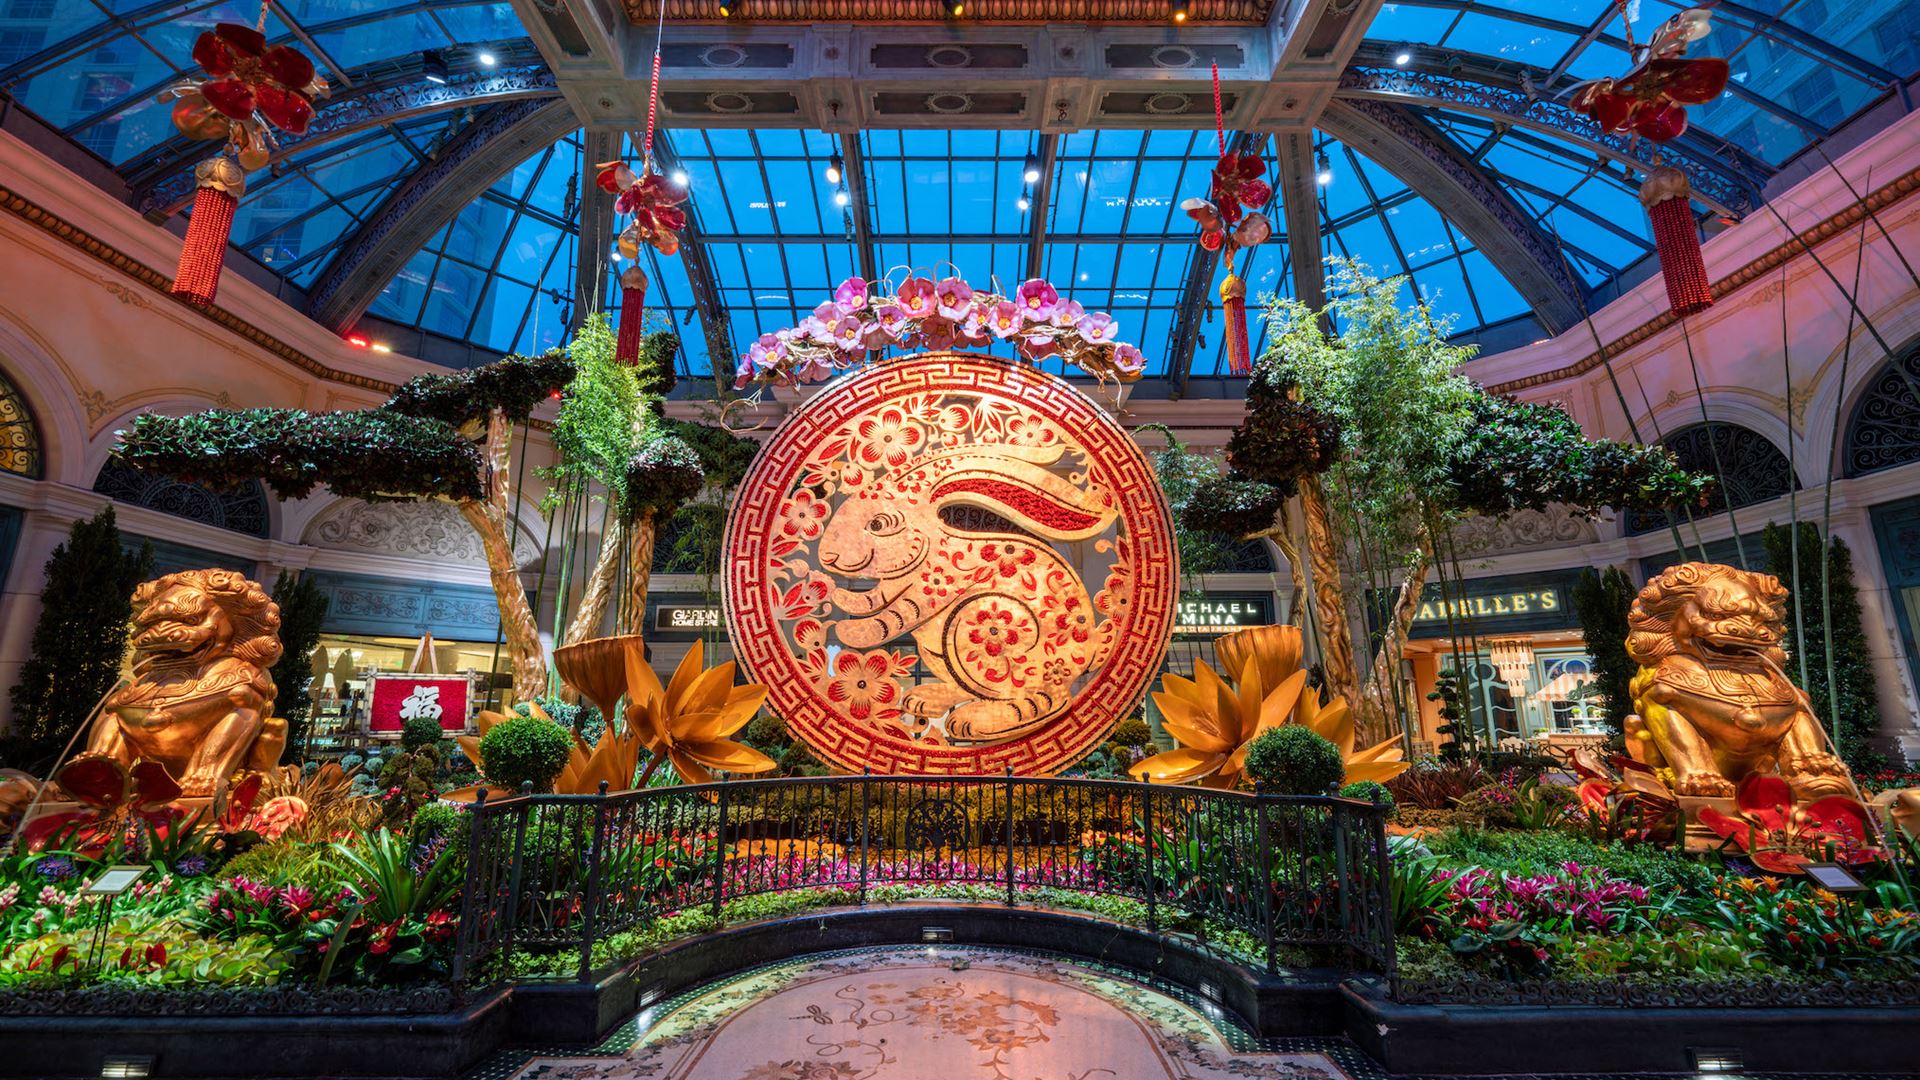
1602 599
303 608
1827 643
1294 760
79 640
438 436
417 732
522 750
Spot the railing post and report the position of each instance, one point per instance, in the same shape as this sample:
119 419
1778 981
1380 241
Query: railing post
525 810
469 902
596 859
720 851
1341 871
1153 912
1383 895
1260 800
1009 787
866 816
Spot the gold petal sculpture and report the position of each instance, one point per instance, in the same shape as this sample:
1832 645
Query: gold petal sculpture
597 668
1215 719
688 722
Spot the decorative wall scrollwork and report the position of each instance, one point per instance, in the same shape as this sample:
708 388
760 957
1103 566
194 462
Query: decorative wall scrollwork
243 510
1884 430
416 530
1523 531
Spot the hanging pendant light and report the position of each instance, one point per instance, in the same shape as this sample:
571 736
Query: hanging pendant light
1513 659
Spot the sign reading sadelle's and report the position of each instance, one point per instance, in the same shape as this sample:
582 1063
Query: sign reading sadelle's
1518 602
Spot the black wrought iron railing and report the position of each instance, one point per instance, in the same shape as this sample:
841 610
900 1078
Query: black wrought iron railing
550 878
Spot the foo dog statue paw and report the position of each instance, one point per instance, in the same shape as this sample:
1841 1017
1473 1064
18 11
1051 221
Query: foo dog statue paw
1703 785
1821 764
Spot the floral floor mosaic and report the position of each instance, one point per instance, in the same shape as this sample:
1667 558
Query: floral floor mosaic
922 1013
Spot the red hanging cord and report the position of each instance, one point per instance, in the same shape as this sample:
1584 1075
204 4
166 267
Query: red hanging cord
1219 115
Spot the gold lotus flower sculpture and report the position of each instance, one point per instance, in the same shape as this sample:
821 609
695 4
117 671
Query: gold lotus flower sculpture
1216 717
688 722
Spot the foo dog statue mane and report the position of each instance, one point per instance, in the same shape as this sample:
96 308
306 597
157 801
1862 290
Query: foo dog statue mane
1712 699
201 699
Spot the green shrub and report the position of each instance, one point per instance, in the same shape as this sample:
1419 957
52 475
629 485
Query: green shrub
766 731
1491 804
1131 732
419 731
407 782
1370 791
523 750
1292 760
1658 869
283 862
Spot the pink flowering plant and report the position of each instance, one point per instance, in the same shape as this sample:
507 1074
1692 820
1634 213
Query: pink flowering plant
1511 922
860 323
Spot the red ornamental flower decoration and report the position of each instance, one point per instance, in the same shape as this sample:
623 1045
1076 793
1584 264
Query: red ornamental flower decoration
1777 836
654 204
1237 187
112 797
278 82
1651 100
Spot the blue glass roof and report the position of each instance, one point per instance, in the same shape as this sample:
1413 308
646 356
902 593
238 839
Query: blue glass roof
778 236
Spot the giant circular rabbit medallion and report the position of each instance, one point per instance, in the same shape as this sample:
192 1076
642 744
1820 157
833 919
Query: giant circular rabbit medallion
951 564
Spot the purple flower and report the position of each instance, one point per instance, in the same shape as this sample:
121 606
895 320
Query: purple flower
1098 328
54 868
1128 358
1067 313
894 319
953 299
192 865
1037 299
851 295
917 298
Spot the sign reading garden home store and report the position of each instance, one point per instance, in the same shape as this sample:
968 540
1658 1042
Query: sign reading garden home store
1509 604
685 616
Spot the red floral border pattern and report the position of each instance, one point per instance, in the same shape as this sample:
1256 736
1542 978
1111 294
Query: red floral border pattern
780 603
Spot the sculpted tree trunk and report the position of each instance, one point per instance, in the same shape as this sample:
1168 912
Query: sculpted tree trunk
601 585
1329 596
639 570
1377 721
489 518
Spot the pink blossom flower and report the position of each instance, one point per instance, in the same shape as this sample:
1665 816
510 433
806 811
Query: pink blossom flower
1067 313
937 333
1128 358
1098 328
1038 346
1005 319
917 298
953 299
894 319
875 335
851 295
847 332
1037 299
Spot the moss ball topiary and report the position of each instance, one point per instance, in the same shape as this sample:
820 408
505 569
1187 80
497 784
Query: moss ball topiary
1131 732
1369 791
525 749
1292 760
419 731
765 731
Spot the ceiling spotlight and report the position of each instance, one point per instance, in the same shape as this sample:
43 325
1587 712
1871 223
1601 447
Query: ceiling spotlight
1177 9
1024 204
728 7
433 65
485 58
679 178
1031 173
841 198
1324 175
835 165
955 8
1403 57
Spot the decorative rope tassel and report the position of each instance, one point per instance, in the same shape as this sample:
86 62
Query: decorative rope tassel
1233 297
221 183
633 305
1668 200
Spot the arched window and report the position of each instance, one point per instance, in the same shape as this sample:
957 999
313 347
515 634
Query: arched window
19 435
1750 470
243 510
1884 430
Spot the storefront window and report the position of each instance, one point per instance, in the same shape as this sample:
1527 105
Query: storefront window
343 662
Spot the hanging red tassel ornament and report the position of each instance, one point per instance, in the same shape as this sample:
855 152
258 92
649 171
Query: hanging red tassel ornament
1233 297
633 307
221 183
1668 200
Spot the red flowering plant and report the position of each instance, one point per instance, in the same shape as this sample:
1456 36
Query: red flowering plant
1650 101
250 90
1632 805
1511 923
654 204
1780 838
1808 927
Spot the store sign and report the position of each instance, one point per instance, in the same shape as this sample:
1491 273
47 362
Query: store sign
399 698
1518 602
1222 613
689 618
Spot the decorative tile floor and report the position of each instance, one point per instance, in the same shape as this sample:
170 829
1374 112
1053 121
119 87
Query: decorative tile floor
949 1011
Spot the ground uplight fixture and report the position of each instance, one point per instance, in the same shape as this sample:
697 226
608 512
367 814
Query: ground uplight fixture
836 167
1323 174
485 58
1177 10
126 1065
1031 172
1716 1060
433 65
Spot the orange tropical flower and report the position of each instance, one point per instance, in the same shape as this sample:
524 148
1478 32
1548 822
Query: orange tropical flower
688 722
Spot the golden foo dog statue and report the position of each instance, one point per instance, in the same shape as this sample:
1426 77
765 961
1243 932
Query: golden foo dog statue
201 700
1712 700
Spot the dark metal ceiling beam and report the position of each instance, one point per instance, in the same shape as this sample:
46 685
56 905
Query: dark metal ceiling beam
162 178
1299 194
853 169
482 153
1049 154
1424 160
593 259
707 304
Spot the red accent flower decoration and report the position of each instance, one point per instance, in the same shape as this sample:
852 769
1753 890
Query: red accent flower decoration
249 77
1780 838
654 204
113 798
1236 182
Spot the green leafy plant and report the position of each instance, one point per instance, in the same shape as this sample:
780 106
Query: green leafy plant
525 750
1515 455
1601 599
78 640
420 731
379 868
303 610
1856 723
514 385
1370 791
1538 805
1293 760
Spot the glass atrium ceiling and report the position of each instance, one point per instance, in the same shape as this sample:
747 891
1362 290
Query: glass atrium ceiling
777 236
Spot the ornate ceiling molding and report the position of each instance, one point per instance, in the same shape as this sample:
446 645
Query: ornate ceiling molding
1201 13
